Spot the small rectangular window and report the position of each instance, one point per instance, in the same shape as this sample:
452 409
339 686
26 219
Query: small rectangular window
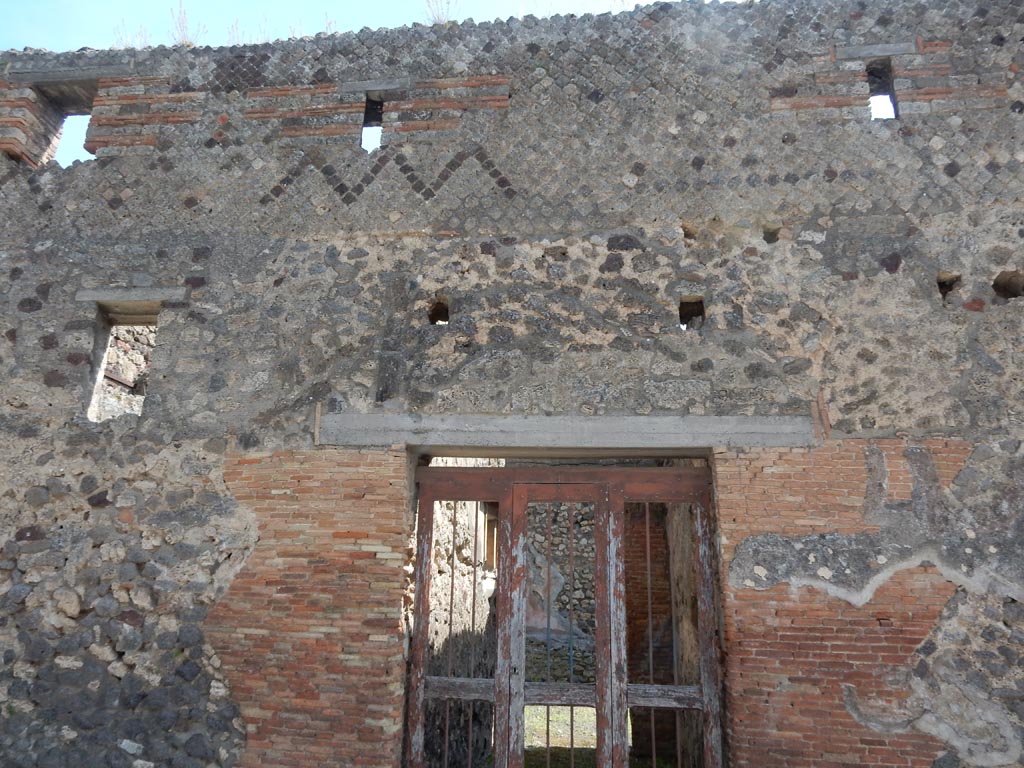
373 124
125 338
69 106
881 89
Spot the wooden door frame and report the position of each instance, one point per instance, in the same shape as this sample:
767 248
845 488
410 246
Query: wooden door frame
687 485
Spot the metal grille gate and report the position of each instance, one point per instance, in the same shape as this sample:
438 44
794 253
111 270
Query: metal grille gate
521 611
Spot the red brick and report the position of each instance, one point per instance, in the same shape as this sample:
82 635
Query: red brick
306 694
789 649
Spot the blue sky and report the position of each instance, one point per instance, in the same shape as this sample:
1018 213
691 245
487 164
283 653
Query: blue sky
63 25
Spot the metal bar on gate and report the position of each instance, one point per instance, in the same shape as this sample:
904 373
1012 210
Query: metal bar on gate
677 716
572 590
569 521
451 646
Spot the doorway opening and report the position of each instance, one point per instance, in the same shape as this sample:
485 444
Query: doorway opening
565 616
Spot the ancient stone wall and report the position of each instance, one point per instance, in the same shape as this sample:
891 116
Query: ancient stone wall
560 186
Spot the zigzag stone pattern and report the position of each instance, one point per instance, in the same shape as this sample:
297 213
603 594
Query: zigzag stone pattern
350 192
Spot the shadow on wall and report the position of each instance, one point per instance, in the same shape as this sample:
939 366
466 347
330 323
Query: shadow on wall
461 732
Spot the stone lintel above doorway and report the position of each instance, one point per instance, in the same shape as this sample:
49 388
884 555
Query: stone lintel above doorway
480 435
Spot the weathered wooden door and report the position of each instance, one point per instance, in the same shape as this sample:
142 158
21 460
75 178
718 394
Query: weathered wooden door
521 652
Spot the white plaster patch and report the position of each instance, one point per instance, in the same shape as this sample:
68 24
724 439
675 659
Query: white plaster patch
809 236
824 573
970 534
761 571
881 559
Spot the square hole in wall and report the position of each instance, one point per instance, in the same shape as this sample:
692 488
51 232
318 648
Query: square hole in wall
125 338
947 282
691 313
438 314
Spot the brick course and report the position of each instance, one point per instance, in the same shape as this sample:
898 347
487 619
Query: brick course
310 632
29 126
789 649
925 75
